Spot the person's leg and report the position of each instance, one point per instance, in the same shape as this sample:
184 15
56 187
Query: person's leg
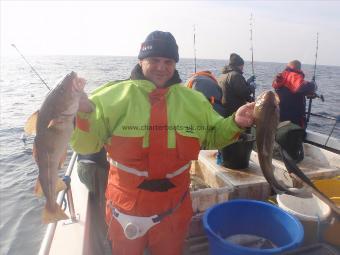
101 176
167 238
86 173
97 202
120 244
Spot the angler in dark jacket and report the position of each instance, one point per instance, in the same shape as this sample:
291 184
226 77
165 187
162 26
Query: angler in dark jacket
292 89
236 90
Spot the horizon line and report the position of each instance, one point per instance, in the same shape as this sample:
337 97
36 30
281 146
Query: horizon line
101 55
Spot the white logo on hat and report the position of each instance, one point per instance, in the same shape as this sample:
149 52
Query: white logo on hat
146 47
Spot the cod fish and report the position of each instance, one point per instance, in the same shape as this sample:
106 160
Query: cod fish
53 125
267 117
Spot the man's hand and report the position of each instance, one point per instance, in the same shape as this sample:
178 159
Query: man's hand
252 86
313 83
244 116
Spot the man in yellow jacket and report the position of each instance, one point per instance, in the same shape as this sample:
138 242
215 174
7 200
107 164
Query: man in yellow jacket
152 127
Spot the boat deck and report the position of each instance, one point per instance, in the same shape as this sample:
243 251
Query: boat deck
250 183
225 184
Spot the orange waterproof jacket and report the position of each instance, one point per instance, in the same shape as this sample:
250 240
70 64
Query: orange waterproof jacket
150 134
290 78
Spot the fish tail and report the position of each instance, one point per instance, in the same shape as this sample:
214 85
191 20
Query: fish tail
50 217
60 185
38 189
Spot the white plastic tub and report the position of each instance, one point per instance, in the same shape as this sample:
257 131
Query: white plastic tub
312 212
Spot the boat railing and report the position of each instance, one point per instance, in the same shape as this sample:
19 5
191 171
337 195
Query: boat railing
322 140
323 116
47 241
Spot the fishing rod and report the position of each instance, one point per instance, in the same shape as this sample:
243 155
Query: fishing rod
316 55
251 44
195 47
252 51
313 79
23 136
33 69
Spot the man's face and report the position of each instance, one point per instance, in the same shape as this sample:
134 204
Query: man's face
158 69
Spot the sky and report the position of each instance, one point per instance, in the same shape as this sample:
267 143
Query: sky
282 30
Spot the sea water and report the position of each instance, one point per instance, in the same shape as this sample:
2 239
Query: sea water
22 93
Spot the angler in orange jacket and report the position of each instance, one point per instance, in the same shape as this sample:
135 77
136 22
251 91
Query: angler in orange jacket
152 127
292 89
206 83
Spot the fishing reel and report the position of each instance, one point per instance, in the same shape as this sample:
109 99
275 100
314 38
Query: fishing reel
315 95
321 97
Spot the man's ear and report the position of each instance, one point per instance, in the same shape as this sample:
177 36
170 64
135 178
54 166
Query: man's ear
140 63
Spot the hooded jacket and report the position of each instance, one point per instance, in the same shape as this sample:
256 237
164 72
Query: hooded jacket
292 89
236 91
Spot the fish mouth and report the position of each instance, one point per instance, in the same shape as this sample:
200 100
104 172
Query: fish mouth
78 84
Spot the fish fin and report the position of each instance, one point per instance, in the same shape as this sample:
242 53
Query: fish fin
34 153
50 217
62 160
60 185
54 122
37 189
31 124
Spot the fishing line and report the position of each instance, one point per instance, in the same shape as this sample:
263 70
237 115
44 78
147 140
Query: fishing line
33 69
23 136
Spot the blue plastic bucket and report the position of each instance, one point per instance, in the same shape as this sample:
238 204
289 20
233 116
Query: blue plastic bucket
250 217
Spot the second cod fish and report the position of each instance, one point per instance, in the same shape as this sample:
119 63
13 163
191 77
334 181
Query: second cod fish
267 117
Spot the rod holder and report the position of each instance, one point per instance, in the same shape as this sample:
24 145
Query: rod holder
74 218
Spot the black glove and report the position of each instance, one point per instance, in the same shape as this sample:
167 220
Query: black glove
251 79
252 86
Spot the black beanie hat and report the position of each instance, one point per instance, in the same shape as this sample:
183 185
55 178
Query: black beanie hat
235 60
159 44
